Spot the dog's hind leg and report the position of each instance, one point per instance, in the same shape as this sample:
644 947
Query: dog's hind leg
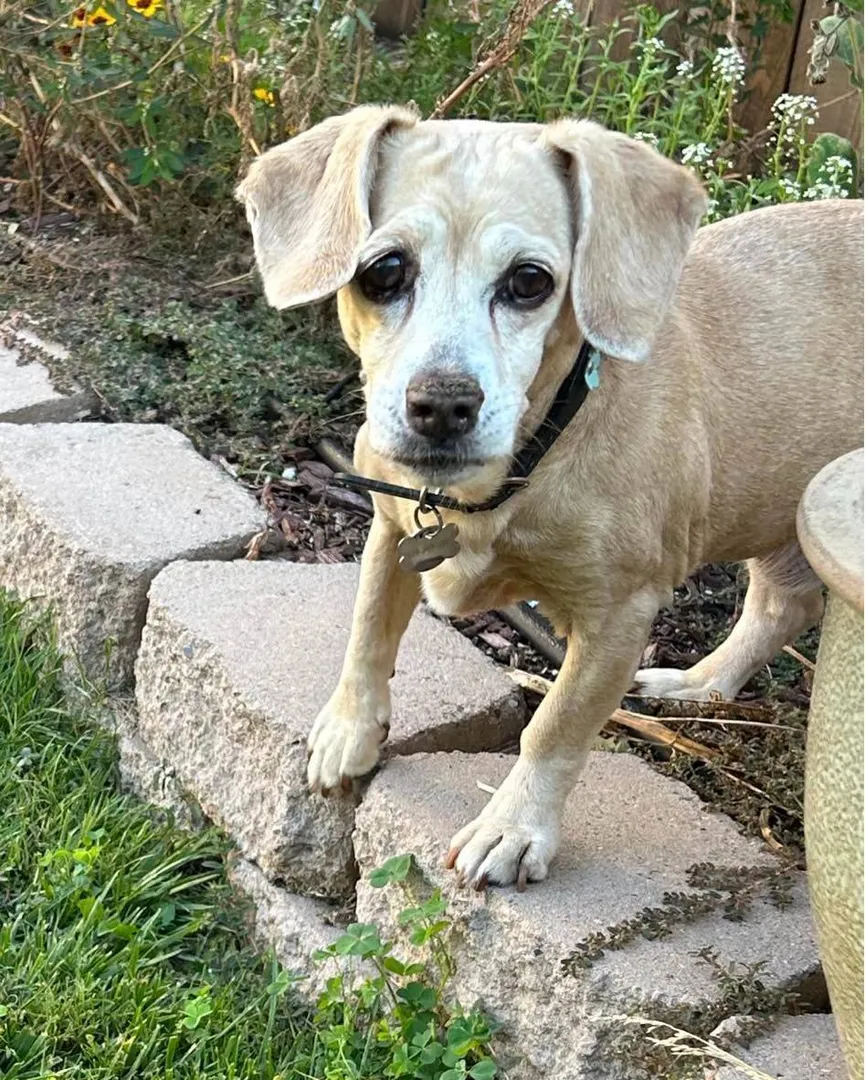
784 598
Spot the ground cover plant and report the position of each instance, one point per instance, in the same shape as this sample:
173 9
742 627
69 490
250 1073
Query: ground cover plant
123 952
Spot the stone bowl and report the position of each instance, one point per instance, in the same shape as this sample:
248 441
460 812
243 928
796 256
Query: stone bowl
830 529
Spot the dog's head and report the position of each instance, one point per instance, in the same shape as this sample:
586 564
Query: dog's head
454 248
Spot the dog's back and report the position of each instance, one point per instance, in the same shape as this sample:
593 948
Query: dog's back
771 303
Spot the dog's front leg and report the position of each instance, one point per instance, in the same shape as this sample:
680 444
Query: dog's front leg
517 834
348 732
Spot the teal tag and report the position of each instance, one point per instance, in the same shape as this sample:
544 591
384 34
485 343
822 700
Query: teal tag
593 370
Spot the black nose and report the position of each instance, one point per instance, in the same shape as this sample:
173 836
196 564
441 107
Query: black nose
442 406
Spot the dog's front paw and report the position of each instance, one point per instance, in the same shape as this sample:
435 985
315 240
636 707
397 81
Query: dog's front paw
344 744
514 839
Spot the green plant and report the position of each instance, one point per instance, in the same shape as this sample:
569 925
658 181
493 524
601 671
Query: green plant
154 109
416 1034
838 35
728 890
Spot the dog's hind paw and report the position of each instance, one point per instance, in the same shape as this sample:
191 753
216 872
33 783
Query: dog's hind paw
342 747
678 685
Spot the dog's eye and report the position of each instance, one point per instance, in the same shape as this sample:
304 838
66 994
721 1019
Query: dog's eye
383 278
529 285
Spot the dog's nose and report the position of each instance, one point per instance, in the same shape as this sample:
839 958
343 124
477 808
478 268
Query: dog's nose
443 406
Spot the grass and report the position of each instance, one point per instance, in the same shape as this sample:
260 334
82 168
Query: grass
124 953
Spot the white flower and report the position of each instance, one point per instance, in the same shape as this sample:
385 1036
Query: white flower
790 188
564 7
839 165
834 179
647 137
728 66
792 109
697 154
685 69
651 45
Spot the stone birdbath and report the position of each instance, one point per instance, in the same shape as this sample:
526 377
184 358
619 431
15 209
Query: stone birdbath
830 531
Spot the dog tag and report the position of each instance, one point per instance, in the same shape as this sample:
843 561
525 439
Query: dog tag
428 548
593 371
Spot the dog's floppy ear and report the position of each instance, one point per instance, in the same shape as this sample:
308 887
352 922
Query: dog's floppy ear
307 202
635 216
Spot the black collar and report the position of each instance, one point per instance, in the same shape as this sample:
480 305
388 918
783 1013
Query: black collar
571 394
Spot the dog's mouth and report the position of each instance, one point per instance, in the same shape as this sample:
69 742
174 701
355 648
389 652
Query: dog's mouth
442 463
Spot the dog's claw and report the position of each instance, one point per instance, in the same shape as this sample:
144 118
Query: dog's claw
481 883
522 877
324 792
346 783
451 858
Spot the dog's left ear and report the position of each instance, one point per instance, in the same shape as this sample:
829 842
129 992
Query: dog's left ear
635 215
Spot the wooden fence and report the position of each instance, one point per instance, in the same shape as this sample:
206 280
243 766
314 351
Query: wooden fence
784 62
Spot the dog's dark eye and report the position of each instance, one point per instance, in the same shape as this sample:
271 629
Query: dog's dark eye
383 278
529 285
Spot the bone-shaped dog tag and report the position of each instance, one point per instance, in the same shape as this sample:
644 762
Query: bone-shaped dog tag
428 548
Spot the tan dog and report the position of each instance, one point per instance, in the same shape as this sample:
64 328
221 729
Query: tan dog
471 260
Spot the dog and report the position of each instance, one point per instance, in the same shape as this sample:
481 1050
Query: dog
472 262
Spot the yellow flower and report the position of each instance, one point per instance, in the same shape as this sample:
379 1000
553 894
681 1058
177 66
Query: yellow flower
99 17
147 8
263 94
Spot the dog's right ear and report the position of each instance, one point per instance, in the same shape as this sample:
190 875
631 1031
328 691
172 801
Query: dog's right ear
307 202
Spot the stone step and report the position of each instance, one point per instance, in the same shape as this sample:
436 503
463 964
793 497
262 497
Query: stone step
533 960
27 394
89 513
798 1048
236 662
295 926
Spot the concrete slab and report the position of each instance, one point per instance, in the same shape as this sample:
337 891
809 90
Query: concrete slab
798 1048
558 963
27 394
236 662
89 513
295 926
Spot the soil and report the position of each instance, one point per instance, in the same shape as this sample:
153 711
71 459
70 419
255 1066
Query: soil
756 774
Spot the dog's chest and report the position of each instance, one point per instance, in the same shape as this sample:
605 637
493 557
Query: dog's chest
482 576
450 588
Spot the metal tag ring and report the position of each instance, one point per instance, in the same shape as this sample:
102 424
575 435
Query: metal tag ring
424 508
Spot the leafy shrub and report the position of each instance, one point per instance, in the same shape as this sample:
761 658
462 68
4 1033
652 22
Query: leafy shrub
416 1033
154 106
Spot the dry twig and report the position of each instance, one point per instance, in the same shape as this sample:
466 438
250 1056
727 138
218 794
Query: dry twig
500 53
809 665
651 729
